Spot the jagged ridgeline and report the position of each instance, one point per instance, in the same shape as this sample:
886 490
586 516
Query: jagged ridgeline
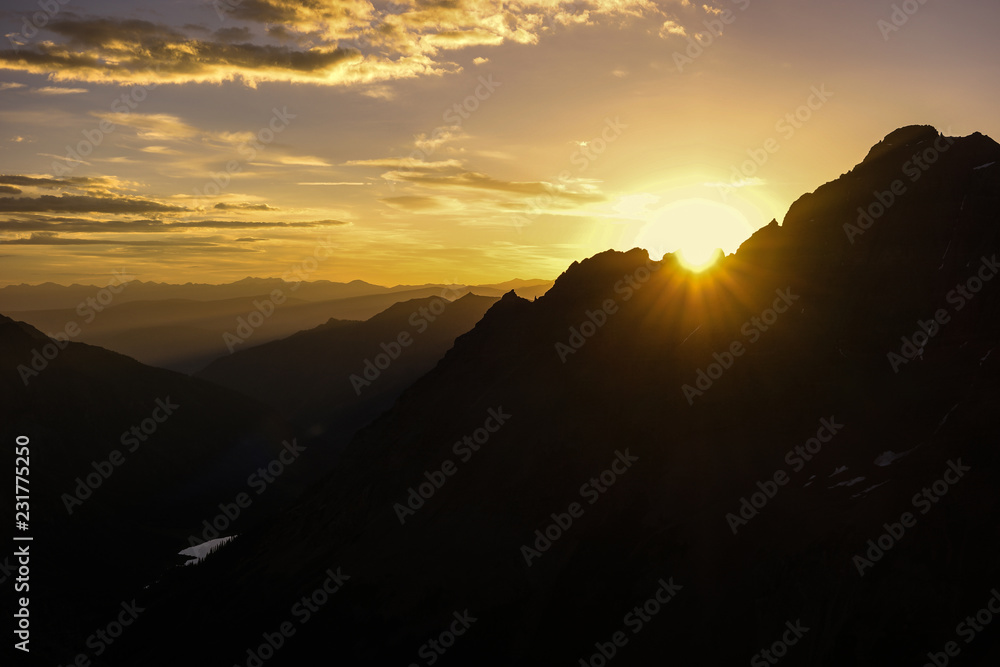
792 455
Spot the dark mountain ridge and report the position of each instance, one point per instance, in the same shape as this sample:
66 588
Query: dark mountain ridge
733 442
124 463
335 378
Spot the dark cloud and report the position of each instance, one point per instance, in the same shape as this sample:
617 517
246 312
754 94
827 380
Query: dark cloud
86 204
82 225
8 190
51 238
242 34
112 50
99 31
280 33
244 206
76 181
47 238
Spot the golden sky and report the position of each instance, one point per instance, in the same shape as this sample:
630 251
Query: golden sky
468 141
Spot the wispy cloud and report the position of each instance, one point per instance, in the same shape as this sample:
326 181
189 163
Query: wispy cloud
55 90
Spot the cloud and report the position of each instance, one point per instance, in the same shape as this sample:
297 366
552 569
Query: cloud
91 184
131 51
407 163
334 20
672 28
476 181
155 126
480 61
342 42
51 238
55 90
241 34
244 206
50 225
160 150
331 183
10 85
86 204
303 161
9 190
438 138
421 204
47 238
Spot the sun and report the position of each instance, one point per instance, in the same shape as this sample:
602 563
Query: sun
697 259
699 231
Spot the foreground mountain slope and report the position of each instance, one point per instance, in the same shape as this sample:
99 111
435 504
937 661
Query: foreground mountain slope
125 461
686 395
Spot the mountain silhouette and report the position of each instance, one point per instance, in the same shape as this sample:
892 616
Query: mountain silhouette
793 453
333 379
125 462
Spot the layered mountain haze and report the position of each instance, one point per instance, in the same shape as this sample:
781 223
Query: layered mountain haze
647 462
185 327
333 379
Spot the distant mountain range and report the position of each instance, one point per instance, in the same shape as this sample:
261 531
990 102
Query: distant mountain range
51 296
185 327
789 458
